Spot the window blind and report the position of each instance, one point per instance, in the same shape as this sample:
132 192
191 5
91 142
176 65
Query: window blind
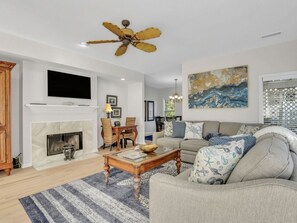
280 103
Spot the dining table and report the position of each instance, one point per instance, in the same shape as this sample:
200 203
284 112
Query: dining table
118 130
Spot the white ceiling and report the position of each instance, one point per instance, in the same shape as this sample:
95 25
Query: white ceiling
191 29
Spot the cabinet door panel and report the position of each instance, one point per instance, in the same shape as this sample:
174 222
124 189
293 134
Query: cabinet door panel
2 98
2 147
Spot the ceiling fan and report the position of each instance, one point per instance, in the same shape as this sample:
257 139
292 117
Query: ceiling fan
127 36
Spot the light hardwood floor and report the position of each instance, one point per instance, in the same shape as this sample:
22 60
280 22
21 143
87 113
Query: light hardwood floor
23 182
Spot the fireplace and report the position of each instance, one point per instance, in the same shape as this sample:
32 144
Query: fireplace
56 142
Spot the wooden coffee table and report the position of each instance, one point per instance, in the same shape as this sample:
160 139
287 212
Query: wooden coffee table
141 165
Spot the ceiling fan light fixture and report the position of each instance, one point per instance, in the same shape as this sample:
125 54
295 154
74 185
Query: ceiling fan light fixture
127 36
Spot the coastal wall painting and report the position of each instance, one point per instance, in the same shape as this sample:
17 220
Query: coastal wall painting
223 88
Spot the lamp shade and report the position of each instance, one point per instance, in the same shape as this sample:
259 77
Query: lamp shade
107 108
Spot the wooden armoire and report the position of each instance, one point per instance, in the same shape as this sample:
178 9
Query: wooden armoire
5 116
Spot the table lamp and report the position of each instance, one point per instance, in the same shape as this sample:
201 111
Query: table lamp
108 110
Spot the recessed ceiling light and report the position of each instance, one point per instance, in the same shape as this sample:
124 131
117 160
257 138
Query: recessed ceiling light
271 35
122 79
83 44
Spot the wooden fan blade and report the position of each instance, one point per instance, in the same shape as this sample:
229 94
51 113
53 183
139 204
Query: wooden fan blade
102 41
113 28
121 50
148 33
147 47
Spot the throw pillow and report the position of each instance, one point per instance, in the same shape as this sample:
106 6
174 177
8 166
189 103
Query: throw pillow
178 129
248 129
193 130
214 164
168 129
249 141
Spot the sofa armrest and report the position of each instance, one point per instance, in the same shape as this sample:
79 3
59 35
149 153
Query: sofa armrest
177 200
157 135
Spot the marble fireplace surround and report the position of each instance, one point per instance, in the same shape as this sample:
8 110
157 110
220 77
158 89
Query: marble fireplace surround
39 140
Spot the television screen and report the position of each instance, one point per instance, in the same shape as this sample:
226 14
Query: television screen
68 85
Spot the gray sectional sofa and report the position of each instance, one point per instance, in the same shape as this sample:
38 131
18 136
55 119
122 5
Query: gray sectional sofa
262 187
190 147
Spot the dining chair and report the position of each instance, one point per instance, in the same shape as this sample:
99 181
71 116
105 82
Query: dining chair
129 134
108 137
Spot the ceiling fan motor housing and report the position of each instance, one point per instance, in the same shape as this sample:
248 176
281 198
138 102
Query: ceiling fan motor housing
125 23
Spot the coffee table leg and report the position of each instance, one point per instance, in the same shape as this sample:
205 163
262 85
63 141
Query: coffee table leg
136 186
106 172
178 164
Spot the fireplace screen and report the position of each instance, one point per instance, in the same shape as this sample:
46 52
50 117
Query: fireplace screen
56 142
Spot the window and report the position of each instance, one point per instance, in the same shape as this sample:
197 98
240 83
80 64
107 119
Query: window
169 108
280 103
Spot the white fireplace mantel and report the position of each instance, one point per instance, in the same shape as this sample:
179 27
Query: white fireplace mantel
60 108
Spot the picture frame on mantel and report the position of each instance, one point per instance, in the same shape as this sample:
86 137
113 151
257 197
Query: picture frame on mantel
150 111
116 112
112 100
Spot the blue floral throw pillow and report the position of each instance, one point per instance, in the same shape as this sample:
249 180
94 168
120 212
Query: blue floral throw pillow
249 141
214 164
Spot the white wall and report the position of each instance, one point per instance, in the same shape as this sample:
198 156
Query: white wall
267 60
110 87
34 90
166 92
16 113
135 107
158 95
152 94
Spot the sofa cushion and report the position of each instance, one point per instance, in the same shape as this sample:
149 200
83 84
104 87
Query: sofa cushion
193 144
188 156
193 130
269 158
248 129
184 175
213 164
249 141
210 127
168 128
229 128
169 141
178 129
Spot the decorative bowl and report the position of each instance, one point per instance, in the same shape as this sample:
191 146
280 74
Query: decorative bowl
148 148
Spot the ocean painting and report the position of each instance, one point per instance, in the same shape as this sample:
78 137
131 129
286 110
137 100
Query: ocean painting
223 88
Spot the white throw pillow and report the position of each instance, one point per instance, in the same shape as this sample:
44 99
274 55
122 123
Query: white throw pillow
193 130
214 164
247 129
168 129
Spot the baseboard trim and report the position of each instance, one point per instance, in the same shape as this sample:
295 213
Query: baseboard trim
25 165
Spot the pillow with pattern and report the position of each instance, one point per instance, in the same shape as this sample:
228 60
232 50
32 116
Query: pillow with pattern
193 130
249 141
248 129
168 129
214 164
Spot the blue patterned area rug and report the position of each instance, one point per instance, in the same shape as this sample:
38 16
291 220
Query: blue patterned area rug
90 200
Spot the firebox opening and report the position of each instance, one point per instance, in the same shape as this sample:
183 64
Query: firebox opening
56 142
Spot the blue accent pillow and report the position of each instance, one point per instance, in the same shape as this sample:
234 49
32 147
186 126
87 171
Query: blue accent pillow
179 129
249 141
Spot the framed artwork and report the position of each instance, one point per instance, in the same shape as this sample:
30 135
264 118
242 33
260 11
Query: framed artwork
116 112
112 100
150 111
223 88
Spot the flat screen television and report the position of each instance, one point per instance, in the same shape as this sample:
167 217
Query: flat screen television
68 85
